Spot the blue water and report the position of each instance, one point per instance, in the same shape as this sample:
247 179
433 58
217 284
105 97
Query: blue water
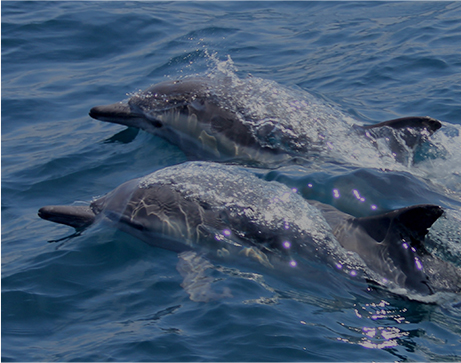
104 295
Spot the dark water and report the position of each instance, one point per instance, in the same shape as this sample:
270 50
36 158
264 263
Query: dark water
104 295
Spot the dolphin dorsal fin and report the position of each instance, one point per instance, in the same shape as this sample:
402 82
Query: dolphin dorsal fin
409 222
426 122
78 217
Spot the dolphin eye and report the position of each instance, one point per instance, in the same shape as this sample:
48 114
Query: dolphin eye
157 123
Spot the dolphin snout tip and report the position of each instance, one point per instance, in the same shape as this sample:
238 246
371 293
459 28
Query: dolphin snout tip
108 111
94 112
44 212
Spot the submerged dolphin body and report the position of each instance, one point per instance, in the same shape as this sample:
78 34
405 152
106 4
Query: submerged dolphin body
241 120
223 209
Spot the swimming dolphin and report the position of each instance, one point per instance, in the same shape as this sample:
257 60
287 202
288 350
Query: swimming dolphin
229 211
228 119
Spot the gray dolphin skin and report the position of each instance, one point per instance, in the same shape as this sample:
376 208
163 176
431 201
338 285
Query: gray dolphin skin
216 120
203 207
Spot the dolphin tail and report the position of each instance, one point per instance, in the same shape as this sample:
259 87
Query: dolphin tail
78 217
409 222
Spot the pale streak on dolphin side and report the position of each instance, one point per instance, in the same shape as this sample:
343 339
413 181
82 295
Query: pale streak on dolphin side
230 212
228 118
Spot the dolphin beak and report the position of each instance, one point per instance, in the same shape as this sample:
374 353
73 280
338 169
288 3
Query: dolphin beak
75 216
121 113
118 113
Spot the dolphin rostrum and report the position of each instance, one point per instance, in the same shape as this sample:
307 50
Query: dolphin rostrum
229 211
233 119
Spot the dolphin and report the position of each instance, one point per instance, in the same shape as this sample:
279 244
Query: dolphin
224 120
226 211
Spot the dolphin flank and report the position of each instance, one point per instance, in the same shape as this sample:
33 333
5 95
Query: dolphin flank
227 211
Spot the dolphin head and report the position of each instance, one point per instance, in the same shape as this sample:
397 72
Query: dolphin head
151 109
123 114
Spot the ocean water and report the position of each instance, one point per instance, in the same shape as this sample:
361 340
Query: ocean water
106 296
